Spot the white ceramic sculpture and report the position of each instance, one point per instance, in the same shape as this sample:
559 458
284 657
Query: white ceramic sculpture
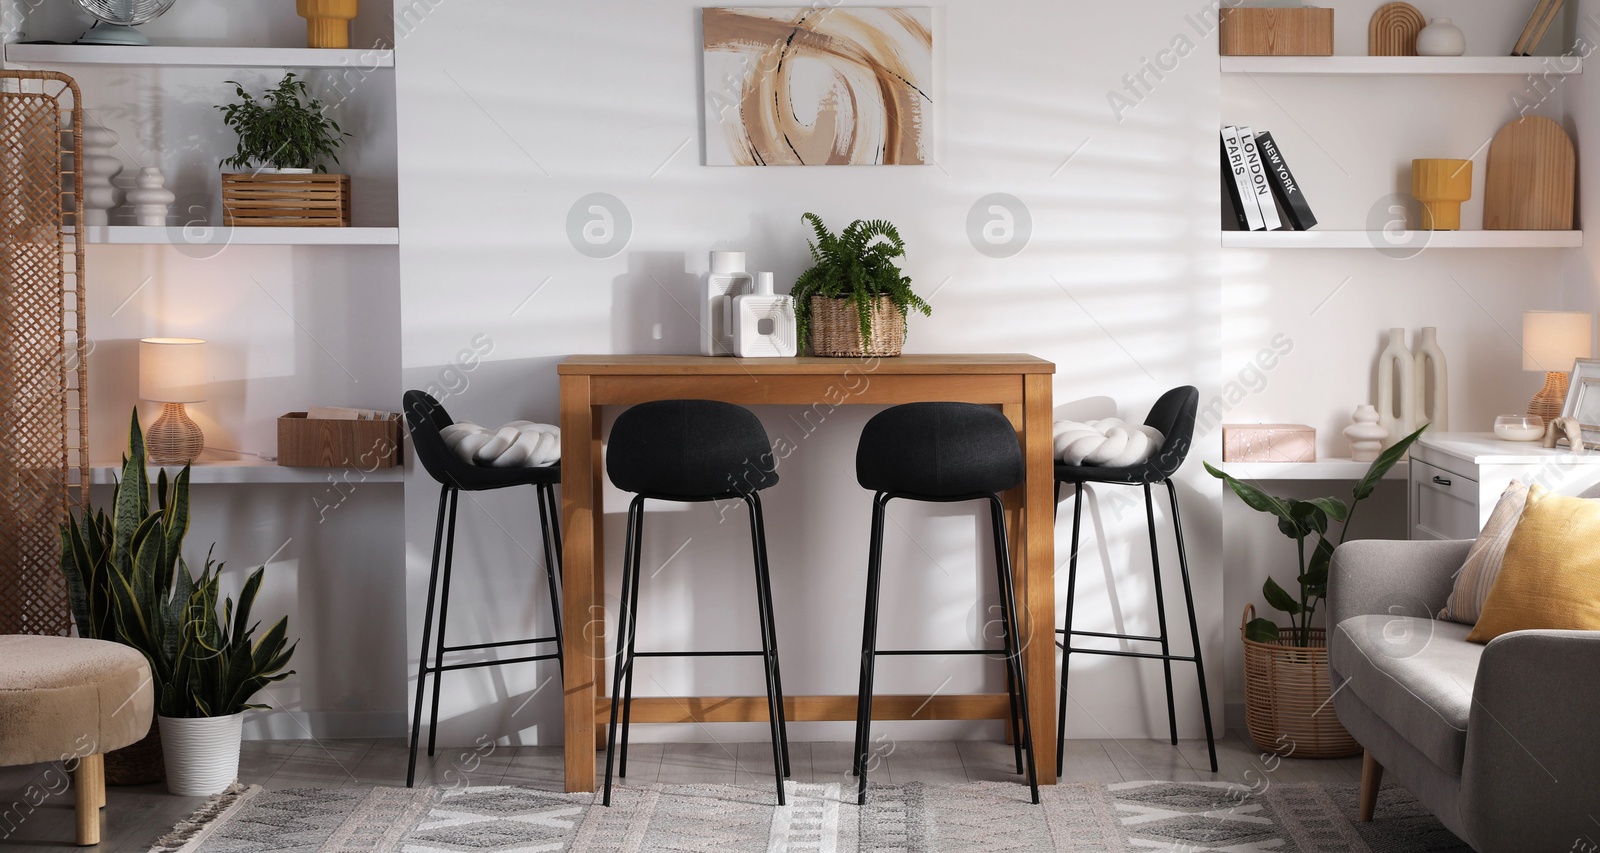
151 199
763 323
1108 442
1397 406
519 444
100 168
726 280
1441 38
1432 383
1366 434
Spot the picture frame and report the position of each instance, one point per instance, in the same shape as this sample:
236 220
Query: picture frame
1583 398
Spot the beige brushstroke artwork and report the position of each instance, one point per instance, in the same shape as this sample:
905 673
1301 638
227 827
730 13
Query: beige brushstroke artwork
818 87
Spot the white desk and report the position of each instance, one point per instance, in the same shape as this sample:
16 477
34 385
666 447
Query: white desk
1456 478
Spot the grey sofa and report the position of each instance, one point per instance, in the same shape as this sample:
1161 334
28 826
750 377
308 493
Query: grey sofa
1501 742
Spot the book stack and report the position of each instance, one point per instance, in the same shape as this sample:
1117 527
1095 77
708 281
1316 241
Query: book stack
1544 14
1262 192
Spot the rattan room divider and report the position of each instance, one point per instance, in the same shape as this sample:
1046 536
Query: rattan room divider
44 454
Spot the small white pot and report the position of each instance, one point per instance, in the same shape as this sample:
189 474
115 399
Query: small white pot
1441 38
270 171
202 753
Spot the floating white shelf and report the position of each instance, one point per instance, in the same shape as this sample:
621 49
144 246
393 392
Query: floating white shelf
140 235
1322 469
1399 65
1385 240
208 471
225 57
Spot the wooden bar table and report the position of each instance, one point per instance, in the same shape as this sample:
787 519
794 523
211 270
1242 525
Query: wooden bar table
1019 385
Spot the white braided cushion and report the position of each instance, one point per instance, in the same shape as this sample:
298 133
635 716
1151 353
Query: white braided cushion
519 444
1105 443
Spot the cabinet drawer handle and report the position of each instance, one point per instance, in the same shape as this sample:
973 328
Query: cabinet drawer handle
1441 481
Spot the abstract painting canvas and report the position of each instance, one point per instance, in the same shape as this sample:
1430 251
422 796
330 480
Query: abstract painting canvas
804 86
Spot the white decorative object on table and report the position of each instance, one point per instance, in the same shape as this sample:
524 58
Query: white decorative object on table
1567 428
1366 434
1106 443
519 444
151 199
726 280
763 323
1397 407
1441 38
100 167
1519 428
1433 406
1269 443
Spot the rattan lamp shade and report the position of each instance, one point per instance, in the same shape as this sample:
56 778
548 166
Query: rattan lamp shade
172 371
1551 342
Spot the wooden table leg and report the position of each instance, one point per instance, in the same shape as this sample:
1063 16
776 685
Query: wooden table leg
89 784
583 576
1037 583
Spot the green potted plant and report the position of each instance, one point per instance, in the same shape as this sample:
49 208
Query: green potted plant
854 300
285 140
128 582
1286 668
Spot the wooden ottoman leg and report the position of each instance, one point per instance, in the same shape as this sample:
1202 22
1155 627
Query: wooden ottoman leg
1371 778
89 783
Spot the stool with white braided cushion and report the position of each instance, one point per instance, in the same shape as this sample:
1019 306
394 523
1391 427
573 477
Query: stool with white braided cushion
72 700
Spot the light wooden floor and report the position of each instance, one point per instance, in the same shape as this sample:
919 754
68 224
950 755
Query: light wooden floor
135 817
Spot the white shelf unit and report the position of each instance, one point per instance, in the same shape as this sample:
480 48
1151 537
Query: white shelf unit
1333 468
1385 240
1404 65
223 57
250 470
141 235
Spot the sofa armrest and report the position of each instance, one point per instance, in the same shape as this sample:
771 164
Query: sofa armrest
1531 777
1378 577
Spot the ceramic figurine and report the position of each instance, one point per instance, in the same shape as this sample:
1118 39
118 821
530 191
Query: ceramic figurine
1366 435
151 199
1567 428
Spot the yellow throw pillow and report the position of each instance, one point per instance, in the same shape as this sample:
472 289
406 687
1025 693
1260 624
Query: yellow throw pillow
1550 577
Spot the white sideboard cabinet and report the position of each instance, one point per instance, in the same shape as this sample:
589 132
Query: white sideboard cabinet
1456 477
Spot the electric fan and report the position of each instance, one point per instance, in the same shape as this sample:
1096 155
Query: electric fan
115 20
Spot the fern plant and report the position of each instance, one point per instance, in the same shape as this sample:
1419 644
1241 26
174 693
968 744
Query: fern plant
857 264
286 129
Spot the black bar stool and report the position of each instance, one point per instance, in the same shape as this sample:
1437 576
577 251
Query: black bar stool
1173 415
455 475
691 451
942 452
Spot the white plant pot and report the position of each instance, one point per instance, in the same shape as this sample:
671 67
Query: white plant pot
202 753
267 170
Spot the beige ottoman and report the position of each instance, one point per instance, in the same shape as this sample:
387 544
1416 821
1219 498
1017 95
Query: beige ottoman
71 700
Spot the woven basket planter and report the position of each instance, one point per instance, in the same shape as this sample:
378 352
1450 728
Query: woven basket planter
139 763
274 200
836 328
1286 698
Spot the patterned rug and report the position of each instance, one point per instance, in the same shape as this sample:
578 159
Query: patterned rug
821 818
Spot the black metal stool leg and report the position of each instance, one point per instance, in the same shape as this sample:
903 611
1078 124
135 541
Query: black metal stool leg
427 625
769 650
1013 637
619 663
759 531
1005 637
1194 627
635 556
444 617
552 562
1066 645
1161 613
869 646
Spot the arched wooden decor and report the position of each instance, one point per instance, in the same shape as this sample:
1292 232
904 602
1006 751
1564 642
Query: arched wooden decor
1393 30
44 456
1532 174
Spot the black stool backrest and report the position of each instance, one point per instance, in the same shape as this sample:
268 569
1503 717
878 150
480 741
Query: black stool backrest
690 449
1174 415
939 450
426 418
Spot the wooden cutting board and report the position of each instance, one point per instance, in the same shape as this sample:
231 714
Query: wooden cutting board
1393 30
1531 180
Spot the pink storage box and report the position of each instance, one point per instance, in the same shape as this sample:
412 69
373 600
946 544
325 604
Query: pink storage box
1268 443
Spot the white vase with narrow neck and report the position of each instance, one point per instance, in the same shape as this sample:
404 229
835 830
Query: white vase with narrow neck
726 280
1441 37
1432 382
100 169
151 199
1397 394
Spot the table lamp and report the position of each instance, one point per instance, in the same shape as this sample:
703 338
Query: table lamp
172 372
1551 342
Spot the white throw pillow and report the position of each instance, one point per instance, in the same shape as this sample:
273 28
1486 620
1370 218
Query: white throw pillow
519 444
1105 443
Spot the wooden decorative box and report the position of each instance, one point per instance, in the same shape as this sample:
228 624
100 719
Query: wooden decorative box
1299 31
285 201
1269 443
316 443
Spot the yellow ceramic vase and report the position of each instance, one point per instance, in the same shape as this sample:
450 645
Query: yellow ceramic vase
327 21
1441 186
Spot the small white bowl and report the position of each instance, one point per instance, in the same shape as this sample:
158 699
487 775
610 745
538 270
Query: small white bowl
1519 427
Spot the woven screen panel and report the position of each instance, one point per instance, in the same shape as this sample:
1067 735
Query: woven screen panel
44 464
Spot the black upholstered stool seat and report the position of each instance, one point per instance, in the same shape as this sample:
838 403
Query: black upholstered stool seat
428 419
690 450
939 450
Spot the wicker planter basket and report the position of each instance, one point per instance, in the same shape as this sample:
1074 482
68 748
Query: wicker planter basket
1286 698
273 200
139 763
836 328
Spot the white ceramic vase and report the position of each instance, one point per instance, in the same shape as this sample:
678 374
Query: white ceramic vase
726 280
1441 38
202 753
151 199
1397 393
1366 434
1432 383
100 169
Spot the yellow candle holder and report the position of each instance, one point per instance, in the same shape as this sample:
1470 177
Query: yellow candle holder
327 22
1441 186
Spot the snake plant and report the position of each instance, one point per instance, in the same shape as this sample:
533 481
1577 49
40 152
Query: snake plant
129 583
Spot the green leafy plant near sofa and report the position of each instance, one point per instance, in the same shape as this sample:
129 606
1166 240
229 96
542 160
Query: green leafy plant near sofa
1306 522
857 264
129 583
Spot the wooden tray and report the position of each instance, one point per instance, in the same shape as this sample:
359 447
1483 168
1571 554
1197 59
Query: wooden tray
285 201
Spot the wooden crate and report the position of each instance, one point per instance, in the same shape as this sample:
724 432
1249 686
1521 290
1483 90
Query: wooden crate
1251 31
307 443
285 201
